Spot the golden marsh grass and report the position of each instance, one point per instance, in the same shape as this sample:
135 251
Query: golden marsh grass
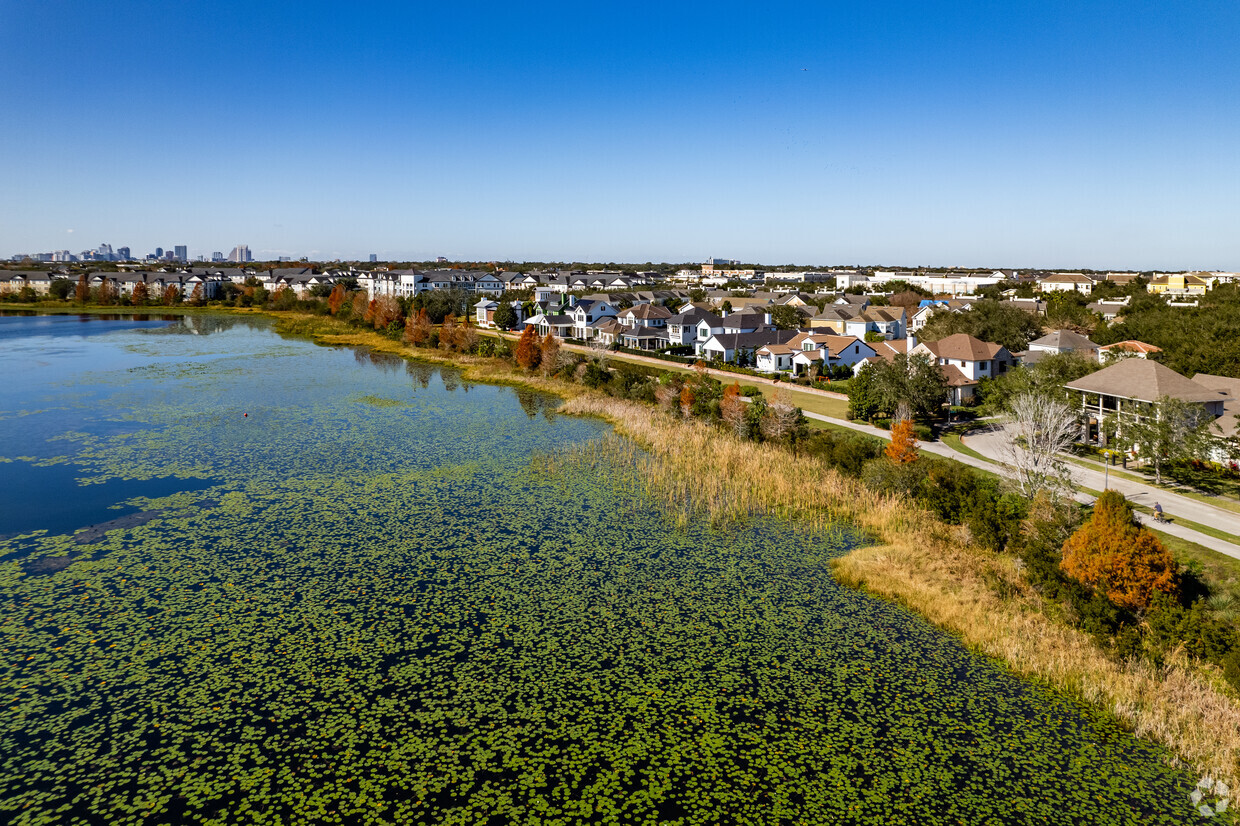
927 566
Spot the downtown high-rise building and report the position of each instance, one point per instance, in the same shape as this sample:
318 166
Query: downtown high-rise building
240 254
182 253
217 257
373 258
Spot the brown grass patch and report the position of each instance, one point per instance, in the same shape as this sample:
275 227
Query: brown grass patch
936 571
929 567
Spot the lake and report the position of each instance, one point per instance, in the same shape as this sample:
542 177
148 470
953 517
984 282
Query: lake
246 579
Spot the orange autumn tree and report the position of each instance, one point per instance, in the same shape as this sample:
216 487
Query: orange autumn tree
140 292
528 351
1115 555
687 398
902 449
335 299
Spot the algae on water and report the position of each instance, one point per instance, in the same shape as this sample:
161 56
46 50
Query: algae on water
396 613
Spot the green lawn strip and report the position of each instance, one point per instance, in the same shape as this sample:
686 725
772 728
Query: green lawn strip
1223 501
955 442
1220 572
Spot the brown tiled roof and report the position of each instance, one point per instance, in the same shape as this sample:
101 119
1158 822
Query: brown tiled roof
1144 380
963 346
1068 278
954 377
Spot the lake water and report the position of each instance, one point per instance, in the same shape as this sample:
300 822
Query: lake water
245 579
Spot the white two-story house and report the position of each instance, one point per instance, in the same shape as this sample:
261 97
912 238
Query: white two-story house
965 360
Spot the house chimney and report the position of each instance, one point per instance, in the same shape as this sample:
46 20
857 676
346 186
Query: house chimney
912 342
766 318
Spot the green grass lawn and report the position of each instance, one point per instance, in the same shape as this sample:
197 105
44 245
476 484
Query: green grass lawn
1220 572
1225 497
955 442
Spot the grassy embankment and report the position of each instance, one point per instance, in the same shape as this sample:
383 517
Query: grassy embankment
929 567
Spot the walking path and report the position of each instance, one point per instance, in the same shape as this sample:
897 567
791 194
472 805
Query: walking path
989 443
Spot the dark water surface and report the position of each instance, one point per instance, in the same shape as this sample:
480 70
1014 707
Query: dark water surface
343 593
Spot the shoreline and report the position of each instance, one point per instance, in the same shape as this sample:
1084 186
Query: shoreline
929 568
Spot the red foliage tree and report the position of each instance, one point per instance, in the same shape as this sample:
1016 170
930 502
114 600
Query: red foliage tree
1115 555
528 351
82 291
335 299
384 310
140 293
687 398
172 294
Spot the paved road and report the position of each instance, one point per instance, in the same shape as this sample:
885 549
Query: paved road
989 442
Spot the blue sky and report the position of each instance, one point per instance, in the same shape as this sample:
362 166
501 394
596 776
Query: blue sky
973 133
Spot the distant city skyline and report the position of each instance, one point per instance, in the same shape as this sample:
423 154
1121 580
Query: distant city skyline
1049 135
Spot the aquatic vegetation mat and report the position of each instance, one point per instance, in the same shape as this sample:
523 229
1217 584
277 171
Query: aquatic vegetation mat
408 599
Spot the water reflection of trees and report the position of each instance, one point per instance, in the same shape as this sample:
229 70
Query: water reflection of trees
421 373
196 325
537 403
386 362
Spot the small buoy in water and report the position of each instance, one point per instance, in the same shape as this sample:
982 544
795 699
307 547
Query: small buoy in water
246 415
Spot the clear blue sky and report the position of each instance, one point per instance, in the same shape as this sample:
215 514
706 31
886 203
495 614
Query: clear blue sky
1048 134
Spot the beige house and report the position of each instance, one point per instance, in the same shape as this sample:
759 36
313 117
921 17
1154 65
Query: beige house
1066 282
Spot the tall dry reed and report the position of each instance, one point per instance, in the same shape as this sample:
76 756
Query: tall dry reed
931 568
936 571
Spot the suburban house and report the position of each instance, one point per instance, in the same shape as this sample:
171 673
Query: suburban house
484 312
746 322
1126 349
889 322
740 348
561 326
645 315
965 360
1109 309
1127 387
1228 425
608 331
1178 284
806 349
833 317
489 284
643 337
1058 341
682 328
925 308
586 314
1066 282
857 302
